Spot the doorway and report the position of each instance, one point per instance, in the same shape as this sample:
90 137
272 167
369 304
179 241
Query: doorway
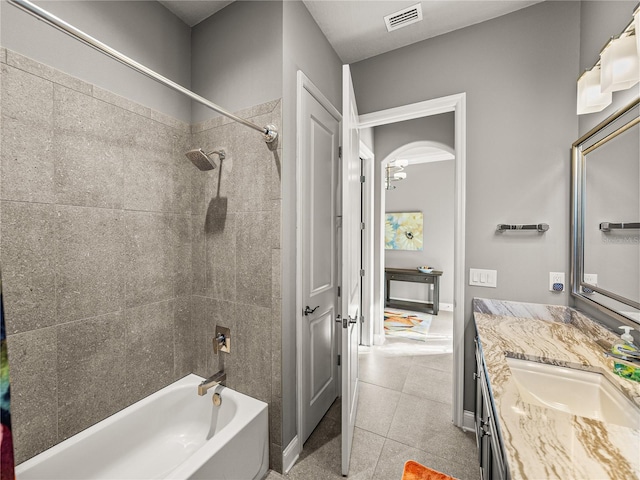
457 105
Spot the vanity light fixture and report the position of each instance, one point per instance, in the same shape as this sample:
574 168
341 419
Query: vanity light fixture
618 68
620 64
590 98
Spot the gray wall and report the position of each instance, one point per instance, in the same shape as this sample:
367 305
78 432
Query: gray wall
304 48
520 124
436 128
236 56
95 251
387 138
599 21
428 188
145 31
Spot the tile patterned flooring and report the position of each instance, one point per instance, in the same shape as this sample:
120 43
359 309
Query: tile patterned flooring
404 413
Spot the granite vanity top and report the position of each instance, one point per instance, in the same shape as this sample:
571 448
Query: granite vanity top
544 443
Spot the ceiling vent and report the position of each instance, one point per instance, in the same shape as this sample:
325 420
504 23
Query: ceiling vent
403 17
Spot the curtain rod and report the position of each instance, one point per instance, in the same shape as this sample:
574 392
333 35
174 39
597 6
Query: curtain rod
268 132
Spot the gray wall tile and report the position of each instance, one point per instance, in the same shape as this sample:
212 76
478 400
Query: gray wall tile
198 255
221 262
89 262
157 174
253 258
150 257
183 338
44 71
27 132
253 333
182 232
34 391
150 357
276 348
88 141
119 101
91 372
28 262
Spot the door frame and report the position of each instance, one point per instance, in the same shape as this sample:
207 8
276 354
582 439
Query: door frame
303 84
457 104
368 307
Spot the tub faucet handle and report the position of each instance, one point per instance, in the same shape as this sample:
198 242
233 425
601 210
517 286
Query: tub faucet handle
222 340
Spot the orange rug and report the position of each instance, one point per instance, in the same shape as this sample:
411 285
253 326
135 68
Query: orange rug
415 471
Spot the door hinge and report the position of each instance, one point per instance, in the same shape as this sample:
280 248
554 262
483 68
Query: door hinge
362 272
339 291
338 221
340 151
361 178
361 225
338 360
362 319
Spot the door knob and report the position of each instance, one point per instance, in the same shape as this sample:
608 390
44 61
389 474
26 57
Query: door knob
308 310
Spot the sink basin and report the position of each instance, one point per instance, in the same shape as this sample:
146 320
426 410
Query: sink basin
585 394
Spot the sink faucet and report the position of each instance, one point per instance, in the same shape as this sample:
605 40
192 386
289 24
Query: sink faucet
217 378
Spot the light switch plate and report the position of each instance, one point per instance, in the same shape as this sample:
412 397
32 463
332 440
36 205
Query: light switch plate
483 278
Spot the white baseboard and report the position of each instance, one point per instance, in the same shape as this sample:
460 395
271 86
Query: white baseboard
290 454
468 421
379 339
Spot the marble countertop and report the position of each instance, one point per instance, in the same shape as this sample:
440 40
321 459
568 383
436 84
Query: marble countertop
544 443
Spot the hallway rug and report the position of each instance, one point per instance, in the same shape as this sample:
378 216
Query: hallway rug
406 325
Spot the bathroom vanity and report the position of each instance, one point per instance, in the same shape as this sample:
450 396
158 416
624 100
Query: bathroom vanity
548 403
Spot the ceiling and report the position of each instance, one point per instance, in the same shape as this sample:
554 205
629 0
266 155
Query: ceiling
356 28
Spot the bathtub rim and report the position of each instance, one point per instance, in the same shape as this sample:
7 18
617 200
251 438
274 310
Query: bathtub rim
249 407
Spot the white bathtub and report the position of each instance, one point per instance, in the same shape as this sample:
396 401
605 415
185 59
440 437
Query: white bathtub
172 434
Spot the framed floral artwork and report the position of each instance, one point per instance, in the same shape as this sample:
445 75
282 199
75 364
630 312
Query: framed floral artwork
403 231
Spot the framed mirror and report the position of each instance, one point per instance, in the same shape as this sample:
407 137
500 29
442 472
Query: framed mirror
605 244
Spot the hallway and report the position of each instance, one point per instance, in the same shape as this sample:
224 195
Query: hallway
404 413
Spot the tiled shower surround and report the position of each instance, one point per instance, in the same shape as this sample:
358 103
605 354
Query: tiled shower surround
119 257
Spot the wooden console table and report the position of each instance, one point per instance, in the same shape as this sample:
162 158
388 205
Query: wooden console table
408 275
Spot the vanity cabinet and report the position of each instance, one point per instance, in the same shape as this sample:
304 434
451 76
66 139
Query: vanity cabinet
492 463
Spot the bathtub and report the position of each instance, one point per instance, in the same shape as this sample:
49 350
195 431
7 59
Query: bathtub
172 434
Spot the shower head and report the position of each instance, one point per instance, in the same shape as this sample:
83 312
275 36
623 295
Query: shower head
202 160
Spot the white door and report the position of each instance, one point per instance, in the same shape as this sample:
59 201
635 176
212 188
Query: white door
319 142
351 249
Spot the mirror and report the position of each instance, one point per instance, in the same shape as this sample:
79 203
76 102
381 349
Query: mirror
606 215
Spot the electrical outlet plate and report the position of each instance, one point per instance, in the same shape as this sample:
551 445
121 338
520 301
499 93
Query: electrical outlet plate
591 279
556 282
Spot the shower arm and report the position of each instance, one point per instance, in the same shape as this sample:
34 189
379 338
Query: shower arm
268 132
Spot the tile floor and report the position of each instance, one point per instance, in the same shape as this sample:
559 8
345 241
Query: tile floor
404 413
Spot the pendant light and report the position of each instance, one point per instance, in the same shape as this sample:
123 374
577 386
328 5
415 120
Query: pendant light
590 98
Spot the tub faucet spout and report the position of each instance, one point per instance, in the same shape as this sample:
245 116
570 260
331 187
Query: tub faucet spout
217 378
